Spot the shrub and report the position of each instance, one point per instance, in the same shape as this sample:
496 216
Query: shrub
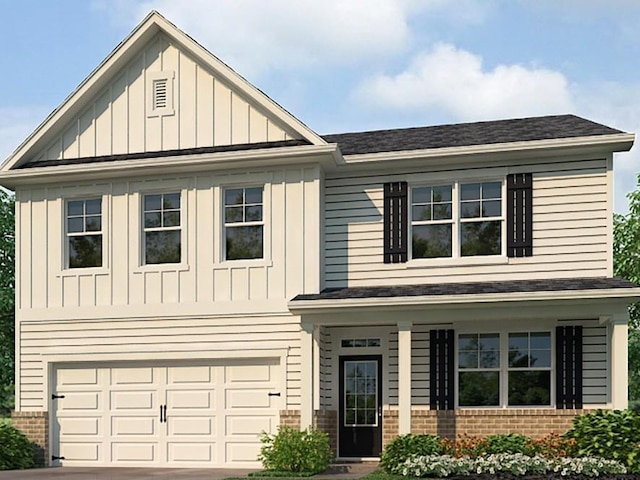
16 451
509 463
405 446
614 435
292 450
553 446
509 443
469 446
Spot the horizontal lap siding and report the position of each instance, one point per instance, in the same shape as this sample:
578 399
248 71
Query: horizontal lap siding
570 230
594 364
184 338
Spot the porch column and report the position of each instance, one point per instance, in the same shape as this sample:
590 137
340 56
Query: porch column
619 362
404 377
306 371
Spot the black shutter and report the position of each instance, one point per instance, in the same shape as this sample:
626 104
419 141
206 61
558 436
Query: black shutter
569 367
441 372
395 222
519 215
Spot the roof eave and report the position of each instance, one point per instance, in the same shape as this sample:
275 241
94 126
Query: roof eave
302 307
325 155
619 142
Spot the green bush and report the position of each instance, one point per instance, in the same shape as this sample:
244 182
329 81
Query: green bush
292 450
405 446
614 435
15 450
509 443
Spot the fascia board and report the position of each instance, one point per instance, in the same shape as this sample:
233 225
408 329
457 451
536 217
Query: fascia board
620 142
124 51
326 155
301 307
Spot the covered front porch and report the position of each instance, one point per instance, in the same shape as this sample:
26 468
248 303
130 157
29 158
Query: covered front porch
378 362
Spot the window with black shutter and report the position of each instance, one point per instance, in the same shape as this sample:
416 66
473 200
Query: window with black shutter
441 369
569 367
519 215
395 222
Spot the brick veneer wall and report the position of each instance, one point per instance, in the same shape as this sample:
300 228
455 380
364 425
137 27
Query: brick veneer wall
327 421
290 418
35 426
476 422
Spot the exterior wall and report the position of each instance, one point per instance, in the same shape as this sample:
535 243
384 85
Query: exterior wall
206 112
534 423
200 306
35 426
571 227
596 351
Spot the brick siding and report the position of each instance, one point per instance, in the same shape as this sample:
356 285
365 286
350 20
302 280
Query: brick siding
35 426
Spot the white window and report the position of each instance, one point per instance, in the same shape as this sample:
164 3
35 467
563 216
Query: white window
244 223
84 233
457 220
162 229
504 369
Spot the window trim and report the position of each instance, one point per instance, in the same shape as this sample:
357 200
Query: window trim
222 237
144 229
66 270
456 256
504 366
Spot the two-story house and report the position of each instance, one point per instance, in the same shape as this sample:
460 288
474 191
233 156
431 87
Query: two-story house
196 266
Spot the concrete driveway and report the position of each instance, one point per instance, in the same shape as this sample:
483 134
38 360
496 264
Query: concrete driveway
112 473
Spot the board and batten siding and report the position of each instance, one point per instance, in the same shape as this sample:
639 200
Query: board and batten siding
202 283
152 339
206 112
571 224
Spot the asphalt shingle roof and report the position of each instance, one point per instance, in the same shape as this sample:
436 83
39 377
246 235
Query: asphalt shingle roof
470 288
468 134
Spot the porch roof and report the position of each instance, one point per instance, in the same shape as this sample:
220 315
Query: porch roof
470 292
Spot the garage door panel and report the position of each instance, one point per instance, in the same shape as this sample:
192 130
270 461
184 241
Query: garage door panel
130 452
181 375
80 451
200 426
190 452
132 376
79 426
248 425
77 376
132 400
133 426
249 398
244 453
76 401
190 399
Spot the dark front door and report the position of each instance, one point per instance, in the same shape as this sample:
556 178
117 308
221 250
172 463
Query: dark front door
360 416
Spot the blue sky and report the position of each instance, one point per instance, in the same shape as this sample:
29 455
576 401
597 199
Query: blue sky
356 65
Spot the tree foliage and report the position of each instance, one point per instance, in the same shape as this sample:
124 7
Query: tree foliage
626 264
7 274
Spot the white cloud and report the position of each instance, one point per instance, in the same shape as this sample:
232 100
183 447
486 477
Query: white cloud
454 82
255 36
15 125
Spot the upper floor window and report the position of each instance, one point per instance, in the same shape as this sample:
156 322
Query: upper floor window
487 378
162 228
456 220
84 233
243 223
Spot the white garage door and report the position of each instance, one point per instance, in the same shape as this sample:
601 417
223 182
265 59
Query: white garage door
178 415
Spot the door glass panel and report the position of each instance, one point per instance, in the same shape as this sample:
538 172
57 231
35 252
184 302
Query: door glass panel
361 393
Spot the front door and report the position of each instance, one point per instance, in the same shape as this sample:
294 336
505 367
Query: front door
360 417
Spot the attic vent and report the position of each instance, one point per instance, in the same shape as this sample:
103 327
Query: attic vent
160 93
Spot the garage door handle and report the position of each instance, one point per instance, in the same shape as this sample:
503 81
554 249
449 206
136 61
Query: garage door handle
163 413
277 394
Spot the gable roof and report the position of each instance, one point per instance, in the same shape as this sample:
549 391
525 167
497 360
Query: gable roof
108 70
468 134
